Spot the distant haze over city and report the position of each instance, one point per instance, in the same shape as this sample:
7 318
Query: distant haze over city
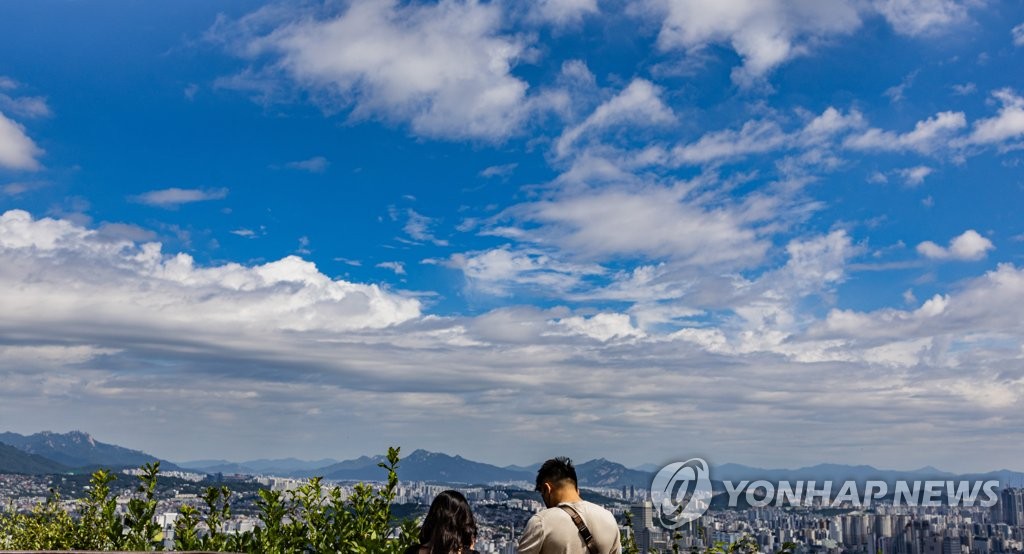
767 233
78 452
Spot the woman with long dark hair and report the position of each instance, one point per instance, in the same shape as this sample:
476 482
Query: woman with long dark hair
449 527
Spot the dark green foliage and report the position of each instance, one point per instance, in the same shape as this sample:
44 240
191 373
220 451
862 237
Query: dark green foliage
310 519
143 531
99 528
629 545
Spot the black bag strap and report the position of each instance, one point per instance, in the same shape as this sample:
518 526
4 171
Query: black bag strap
588 538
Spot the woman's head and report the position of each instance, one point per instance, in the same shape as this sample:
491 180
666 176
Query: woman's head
449 526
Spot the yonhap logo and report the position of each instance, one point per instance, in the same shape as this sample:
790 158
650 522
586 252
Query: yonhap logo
681 492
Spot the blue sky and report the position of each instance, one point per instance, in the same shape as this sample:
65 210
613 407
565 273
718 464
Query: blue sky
775 233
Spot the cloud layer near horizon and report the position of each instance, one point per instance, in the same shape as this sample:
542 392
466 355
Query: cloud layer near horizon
107 320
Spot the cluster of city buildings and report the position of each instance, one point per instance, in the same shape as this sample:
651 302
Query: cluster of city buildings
503 509
884 529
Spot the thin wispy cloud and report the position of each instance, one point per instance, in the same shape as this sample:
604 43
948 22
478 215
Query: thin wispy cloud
397 267
174 197
316 164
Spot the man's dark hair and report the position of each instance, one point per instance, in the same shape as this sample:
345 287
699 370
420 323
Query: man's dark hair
555 471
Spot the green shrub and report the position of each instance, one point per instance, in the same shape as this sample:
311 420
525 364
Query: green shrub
310 519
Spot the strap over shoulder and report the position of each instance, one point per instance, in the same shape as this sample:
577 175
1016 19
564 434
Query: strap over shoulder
588 538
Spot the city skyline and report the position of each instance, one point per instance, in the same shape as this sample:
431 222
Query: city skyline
768 233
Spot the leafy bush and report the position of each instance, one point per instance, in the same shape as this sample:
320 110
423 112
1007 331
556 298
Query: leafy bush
310 519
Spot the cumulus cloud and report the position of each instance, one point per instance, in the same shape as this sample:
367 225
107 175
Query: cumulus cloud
639 104
174 197
602 327
914 176
927 136
1018 35
981 308
764 34
17 150
968 246
917 17
651 223
1006 125
562 12
499 271
113 328
769 33
445 68
129 282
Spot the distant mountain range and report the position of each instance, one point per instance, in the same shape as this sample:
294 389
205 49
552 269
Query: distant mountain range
73 451
53 453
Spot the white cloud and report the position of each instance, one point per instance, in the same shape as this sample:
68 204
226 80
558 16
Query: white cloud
602 327
17 150
445 68
765 34
25 106
1018 35
964 89
755 137
115 327
84 277
831 122
417 226
316 164
563 12
768 33
984 307
927 137
501 270
650 222
502 170
639 104
917 17
895 93
967 246
765 135
397 267
20 187
174 197
1007 124
914 176
29 107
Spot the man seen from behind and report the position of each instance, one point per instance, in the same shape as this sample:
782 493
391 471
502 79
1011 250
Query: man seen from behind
569 525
